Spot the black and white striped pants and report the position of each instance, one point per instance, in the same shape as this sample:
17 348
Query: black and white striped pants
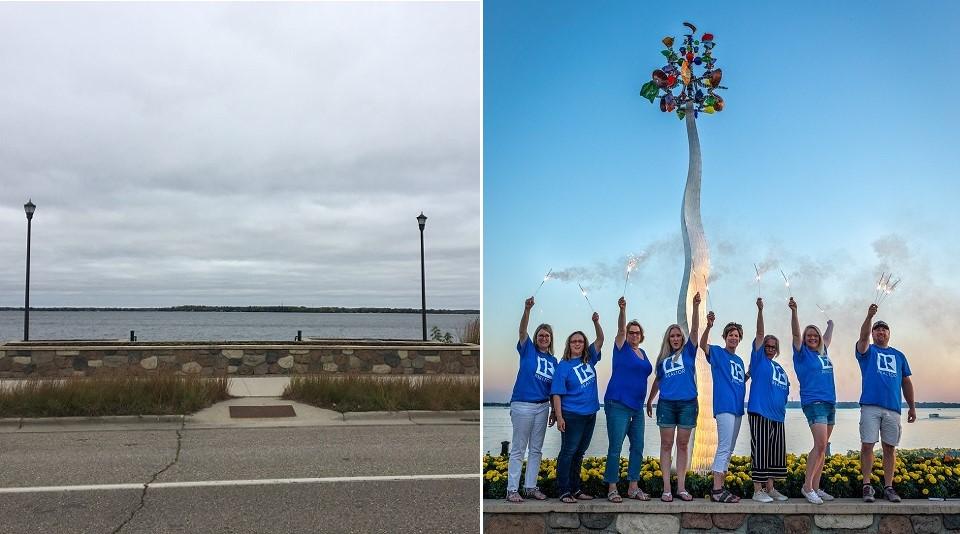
768 449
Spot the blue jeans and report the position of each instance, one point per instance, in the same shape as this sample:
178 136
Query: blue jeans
573 444
623 421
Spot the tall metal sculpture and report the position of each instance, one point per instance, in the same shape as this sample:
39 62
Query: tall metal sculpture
695 94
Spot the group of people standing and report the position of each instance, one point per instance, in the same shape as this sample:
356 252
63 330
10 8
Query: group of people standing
565 393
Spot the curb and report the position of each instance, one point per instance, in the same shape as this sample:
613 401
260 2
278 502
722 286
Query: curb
20 422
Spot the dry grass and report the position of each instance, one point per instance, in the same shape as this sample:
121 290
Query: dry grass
98 396
353 393
470 332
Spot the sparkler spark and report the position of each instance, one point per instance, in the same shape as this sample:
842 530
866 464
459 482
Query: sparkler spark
786 284
824 312
631 264
545 278
584 293
888 290
758 279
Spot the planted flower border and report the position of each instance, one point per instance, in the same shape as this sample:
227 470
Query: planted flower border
920 473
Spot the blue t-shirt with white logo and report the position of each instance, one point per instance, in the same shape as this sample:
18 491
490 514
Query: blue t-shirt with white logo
729 381
535 373
576 383
769 387
815 373
882 370
677 374
628 382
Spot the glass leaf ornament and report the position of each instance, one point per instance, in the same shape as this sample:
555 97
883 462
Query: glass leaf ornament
649 91
668 42
685 73
661 79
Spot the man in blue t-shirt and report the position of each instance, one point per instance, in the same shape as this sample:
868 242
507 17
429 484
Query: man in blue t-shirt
885 372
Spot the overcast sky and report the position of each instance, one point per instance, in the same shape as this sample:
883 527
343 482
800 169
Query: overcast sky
241 153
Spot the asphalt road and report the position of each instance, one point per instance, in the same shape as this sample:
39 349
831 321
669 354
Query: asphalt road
49 480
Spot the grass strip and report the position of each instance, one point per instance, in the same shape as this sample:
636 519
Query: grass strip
355 393
100 396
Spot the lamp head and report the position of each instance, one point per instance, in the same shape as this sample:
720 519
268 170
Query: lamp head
29 208
422 220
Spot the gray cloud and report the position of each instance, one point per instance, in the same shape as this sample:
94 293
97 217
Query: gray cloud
241 153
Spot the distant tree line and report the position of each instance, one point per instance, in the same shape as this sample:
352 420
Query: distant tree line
273 309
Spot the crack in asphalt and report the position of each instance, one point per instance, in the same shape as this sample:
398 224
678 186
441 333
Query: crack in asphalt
143 495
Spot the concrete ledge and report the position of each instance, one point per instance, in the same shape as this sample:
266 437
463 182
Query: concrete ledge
746 506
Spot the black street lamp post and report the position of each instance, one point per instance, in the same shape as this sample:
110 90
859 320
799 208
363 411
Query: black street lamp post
422 219
28 208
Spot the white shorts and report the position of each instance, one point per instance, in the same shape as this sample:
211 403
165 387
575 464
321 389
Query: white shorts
877 421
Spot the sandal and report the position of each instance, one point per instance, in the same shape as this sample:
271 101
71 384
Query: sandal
685 496
568 499
638 494
514 497
666 497
723 495
581 496
614 496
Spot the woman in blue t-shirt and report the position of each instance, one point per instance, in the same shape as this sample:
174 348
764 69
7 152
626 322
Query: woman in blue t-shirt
576 403
818 397
677 408
623 406
769 388
729 388
530 406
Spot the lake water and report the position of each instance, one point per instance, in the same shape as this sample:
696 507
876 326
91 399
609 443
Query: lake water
222 326
925 432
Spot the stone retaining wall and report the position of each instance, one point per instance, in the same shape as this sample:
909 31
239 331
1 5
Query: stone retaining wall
694 517
53 359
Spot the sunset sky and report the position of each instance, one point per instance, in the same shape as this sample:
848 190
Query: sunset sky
830 162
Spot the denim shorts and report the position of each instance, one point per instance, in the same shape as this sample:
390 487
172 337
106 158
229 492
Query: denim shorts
822 413
682 414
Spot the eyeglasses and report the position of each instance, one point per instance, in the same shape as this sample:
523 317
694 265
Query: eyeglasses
633 332
774 347
577 341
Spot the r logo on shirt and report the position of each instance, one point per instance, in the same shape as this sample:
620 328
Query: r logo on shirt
736 372
584 373
780 376
887 363
825 362
544 368
670 366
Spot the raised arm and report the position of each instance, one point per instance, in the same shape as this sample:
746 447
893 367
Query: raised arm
598 341
908 396
795 324
621 323
828 334
695 322
704 345
759 339
525 319
863 342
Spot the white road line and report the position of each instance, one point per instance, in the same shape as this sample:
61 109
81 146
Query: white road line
253 482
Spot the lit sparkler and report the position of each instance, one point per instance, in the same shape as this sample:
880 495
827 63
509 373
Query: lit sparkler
758 279
631 263
786 284
879 289
584 293
888 290
545 278
824 312
706 291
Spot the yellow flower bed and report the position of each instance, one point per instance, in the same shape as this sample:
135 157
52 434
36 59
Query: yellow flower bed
918 473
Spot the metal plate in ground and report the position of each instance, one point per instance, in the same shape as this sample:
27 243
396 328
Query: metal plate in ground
262 411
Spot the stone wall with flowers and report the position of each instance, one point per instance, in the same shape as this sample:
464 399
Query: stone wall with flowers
59 359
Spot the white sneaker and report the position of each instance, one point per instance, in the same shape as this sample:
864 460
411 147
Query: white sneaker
812 496
777 496
761 496
824 495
